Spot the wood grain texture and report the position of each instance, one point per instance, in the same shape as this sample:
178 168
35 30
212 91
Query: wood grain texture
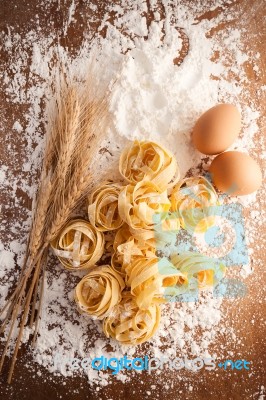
217 384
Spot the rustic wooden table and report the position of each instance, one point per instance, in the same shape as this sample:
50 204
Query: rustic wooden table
21 14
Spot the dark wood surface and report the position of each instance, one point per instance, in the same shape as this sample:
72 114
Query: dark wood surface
217 384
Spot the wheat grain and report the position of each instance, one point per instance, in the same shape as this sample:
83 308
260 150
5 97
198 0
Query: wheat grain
67 175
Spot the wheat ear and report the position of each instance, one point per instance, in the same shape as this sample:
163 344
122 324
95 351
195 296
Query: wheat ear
74 138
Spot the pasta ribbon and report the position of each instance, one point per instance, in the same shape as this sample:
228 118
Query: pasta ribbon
200 271
130 247
148 161
79 245
130 325
99 291
103 208
129 223
117 264
192 198
122 235
127 248
139 204
148 276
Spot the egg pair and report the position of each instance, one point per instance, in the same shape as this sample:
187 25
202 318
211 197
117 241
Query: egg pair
232 172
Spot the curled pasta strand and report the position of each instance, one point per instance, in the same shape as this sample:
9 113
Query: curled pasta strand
147 278
148 161
127 248
139 204
103 207
79 245
99 291
192 198
130 325
201 272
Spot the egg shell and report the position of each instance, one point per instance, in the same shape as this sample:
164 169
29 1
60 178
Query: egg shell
235 173
217 129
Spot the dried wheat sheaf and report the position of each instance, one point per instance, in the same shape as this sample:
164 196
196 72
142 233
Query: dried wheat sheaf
74 135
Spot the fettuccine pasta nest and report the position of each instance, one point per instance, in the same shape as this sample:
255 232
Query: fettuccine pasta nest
147 277
127 248
128 224
99 291
192 199
103 207
148 161
79 245
201 272
138 205
130 325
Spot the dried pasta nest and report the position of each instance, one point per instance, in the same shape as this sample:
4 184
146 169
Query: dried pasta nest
129 223
193 199
138 205
148 161
128 248
99 291
79 245
147 277
201 271
103 208
130 325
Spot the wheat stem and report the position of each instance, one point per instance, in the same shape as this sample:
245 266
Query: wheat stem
22 324
33 307
40 301
66 178
14 316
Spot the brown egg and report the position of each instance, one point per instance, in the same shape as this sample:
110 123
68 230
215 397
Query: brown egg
217 129
235 173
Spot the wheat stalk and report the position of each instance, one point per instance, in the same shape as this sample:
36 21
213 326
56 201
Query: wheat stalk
81 179
74 137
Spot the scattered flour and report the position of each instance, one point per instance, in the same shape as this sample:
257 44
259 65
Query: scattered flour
152 99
